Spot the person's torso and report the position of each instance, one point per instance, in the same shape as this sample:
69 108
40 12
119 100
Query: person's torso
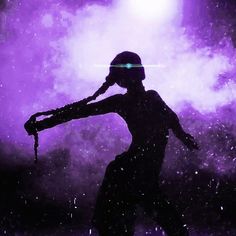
146 120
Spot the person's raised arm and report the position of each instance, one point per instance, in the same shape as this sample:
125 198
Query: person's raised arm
70 112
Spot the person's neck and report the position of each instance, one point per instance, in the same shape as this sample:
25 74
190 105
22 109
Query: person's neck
136 90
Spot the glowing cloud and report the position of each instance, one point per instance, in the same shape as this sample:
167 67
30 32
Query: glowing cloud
187 74
52 56
47 20
158 10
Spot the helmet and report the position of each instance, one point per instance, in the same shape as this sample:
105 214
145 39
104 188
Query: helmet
126 68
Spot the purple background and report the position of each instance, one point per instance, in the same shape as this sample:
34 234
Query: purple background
49 52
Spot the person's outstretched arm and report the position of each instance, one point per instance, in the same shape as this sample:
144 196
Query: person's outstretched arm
110 104
174 124
179 132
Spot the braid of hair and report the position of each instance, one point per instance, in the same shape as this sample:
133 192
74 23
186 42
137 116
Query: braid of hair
109 82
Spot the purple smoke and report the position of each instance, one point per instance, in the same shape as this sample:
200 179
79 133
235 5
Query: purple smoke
49 53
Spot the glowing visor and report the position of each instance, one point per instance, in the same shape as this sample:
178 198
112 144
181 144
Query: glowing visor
129 65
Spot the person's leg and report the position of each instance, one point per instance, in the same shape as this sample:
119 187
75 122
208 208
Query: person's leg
119 223
165 214
114 211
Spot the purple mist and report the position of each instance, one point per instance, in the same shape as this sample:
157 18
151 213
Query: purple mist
50 53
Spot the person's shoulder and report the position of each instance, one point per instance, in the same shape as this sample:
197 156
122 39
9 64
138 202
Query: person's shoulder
153 94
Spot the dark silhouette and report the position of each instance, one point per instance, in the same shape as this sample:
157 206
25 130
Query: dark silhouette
132 178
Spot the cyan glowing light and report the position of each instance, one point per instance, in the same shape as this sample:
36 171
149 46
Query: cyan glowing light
129 65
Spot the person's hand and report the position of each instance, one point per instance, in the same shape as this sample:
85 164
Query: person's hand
30 126
190 142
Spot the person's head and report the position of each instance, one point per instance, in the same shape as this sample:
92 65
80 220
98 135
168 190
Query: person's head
126 70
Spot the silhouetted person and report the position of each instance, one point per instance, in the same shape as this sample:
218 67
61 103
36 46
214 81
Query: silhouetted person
132 178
